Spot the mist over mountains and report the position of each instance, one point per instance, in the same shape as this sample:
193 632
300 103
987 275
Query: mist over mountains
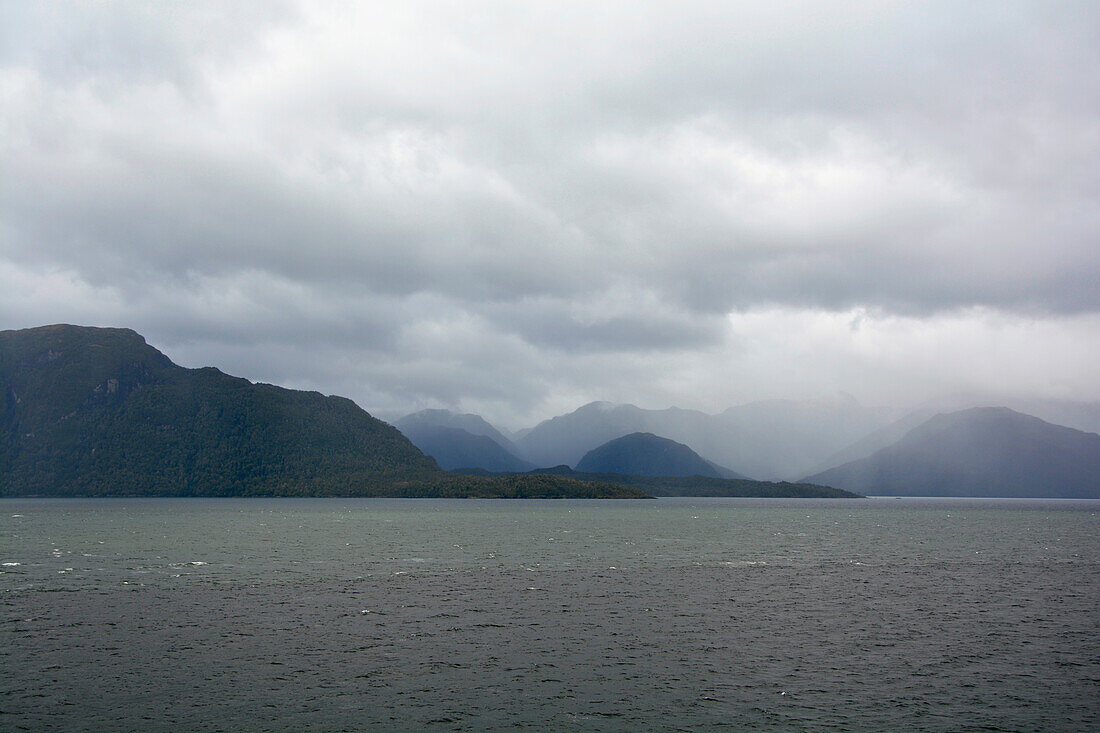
984 451
91 411
454 447
774 439
421 422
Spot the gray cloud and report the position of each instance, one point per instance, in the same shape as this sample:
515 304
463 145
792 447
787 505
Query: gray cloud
494 207
74 43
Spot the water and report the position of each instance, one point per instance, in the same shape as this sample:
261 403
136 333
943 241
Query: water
679 614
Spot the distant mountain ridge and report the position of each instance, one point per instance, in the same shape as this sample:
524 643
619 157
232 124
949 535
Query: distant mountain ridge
472 424
943 469
875 440
461 441
456 448
983 451
645 454
768 439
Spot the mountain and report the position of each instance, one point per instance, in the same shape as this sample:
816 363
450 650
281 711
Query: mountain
456 448
1081 415
645 454
769 439
983 451
566 438
99 412
876 440
472 424
461 441
787 438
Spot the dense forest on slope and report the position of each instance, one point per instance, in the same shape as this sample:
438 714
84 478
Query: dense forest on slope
700 485
512 486
98 412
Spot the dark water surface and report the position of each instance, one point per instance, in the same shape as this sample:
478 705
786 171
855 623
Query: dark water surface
680 614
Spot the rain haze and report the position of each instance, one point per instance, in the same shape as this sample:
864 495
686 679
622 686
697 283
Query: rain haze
515 209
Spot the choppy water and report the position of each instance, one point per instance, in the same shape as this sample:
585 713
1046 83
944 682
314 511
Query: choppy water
331 614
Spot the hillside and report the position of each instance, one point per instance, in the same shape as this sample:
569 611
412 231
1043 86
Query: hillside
645 454
98 412
985 451
456 448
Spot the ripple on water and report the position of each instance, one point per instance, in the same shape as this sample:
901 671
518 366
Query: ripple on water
735 624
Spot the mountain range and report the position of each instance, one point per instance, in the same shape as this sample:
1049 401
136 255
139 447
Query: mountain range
985 451
94 411
771 439
988 451
99 412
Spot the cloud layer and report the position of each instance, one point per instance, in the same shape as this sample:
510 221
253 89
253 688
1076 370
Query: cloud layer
514 210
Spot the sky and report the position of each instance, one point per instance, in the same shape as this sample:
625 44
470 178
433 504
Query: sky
517 208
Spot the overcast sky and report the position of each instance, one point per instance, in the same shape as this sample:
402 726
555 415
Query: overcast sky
516 208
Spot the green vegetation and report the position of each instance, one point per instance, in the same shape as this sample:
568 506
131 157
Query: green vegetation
98 412
707 486
512 486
